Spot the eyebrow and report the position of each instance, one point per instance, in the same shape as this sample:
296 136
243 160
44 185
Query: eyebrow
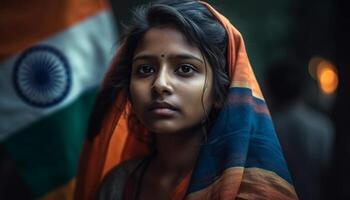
179 56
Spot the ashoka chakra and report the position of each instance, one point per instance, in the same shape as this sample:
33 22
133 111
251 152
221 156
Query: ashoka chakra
42 76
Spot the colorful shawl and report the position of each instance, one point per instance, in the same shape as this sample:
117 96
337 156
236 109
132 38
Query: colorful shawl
242 158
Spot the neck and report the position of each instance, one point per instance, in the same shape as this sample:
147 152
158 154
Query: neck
177 153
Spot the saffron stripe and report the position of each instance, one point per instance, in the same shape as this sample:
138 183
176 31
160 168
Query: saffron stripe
24 24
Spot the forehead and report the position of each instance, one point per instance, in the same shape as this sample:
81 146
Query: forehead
165 40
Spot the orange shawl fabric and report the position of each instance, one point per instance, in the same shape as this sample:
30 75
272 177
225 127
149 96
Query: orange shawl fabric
249 164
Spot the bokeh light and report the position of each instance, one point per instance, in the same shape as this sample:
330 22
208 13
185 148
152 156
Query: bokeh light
325 73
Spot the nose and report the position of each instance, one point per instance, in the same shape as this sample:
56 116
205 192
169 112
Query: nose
162 83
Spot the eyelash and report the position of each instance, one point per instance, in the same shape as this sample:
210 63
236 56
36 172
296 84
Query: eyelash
191 68
142 67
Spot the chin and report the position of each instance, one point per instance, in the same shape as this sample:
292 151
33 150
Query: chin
170 127
165 129
165 126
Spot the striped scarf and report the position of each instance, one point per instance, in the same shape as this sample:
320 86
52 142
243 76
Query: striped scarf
242 158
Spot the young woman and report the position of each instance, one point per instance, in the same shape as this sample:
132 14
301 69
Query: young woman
181 116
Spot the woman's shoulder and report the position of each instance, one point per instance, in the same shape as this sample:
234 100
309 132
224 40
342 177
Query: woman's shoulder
113 184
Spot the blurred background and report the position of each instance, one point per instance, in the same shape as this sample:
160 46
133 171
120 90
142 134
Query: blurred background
298 49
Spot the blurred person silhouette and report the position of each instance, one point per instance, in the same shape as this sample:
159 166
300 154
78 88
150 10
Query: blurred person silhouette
306 135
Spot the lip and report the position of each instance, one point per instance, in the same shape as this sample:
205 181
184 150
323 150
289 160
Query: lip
163 108
162 105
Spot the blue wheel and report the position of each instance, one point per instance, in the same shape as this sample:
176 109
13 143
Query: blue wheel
42 76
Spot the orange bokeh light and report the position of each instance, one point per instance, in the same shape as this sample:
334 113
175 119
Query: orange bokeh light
327 77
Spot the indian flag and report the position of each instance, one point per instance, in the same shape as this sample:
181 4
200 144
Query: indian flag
53 55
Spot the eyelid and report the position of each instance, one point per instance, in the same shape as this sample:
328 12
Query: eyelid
189 65
193 68
140 67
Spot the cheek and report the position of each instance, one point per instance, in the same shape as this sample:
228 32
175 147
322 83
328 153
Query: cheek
196 102
138 94
133 91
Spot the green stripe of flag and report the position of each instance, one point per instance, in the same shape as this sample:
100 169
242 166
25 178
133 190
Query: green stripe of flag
47 152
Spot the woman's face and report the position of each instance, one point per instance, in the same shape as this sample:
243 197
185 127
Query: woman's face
171 82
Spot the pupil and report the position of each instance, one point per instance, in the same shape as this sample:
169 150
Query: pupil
185 69
147 69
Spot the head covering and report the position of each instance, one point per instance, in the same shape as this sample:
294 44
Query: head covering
241 159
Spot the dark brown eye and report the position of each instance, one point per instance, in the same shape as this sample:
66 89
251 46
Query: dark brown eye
185 69
145 70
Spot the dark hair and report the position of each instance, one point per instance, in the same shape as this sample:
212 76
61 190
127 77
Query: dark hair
199 27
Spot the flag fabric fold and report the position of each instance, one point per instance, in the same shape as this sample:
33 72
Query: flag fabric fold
53 55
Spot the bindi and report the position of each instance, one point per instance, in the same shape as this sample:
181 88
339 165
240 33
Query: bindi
162 55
